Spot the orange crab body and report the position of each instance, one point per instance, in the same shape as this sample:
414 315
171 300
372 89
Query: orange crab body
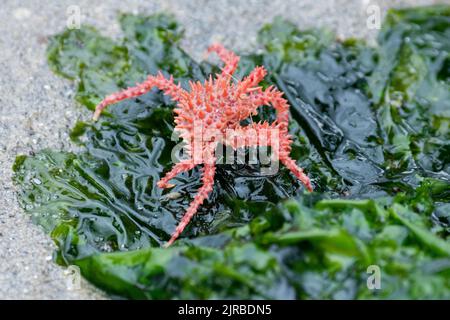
211 109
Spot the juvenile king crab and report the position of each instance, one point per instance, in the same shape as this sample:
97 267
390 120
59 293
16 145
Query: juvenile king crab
218 105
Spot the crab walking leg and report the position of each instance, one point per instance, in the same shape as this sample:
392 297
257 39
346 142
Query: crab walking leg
274 97
296 171
282 107
230 59
251 81
259 134
209 171
166 85
182 166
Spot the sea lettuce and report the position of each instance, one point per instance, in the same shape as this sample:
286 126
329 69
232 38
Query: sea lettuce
369 125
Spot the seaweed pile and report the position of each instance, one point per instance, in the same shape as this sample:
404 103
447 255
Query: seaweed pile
370 127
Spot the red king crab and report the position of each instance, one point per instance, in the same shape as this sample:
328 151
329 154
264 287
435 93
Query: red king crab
218 104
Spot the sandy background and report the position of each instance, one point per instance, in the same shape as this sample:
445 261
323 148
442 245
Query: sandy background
37 108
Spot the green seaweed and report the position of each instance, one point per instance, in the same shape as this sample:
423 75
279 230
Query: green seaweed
370 127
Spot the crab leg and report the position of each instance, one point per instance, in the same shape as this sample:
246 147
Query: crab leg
275 98
252 80
259 135
230 59
254 97
166 85
208 182
182 166
296 171
282 107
